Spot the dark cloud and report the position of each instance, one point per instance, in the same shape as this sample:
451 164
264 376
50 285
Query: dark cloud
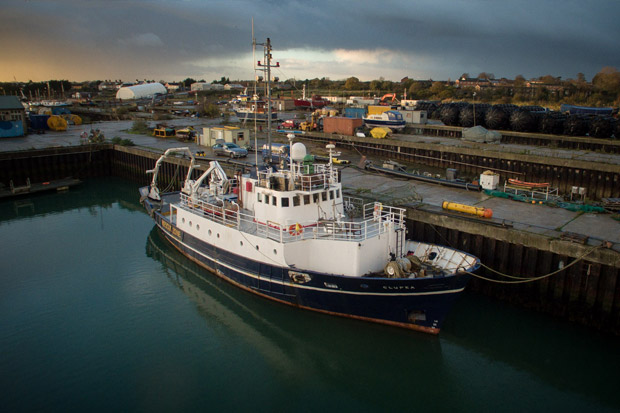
208 39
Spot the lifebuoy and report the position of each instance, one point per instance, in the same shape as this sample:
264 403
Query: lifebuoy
377 211
295 229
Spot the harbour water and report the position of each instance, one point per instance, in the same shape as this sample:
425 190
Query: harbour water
99 313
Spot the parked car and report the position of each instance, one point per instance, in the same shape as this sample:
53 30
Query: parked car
229 149
289 124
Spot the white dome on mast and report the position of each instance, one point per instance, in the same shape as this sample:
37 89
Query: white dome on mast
298 152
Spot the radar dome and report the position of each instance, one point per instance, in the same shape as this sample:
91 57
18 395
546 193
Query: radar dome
298 152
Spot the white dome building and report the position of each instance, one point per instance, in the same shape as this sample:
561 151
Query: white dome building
143 91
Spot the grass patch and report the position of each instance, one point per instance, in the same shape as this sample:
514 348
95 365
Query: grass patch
117 140
139 127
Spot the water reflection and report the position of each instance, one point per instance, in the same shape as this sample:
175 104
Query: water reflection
304 347
108 192
483 348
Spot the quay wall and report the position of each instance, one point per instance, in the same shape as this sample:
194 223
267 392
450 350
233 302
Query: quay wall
528 138
587 292
601 180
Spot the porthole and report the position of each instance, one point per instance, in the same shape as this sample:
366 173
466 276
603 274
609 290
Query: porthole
198 227
241 243
257 248
275 251
183 220
209 232
190 224
218 235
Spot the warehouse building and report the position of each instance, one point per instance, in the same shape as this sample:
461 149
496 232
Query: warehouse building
143 91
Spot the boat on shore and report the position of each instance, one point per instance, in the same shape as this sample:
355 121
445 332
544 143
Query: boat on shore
290 235
390 119
254 109
315 101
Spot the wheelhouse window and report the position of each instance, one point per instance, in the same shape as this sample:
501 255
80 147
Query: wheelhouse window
296 200
274 200
259 197
331 195
324 196
306 199
315 198
285 202
266 199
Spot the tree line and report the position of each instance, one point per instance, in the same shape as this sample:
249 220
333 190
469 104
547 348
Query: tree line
603 90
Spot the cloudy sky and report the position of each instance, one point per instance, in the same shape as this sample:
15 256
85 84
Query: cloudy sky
207 39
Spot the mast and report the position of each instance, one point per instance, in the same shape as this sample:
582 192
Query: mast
266 67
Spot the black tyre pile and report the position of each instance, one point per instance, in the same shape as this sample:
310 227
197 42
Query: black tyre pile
525 119
498 116
479 110
429 107
449 113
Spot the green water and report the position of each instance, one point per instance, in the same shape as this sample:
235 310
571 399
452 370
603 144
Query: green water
98 313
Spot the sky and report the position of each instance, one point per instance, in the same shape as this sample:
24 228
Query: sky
171 40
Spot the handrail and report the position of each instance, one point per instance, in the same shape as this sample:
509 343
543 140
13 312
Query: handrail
370 225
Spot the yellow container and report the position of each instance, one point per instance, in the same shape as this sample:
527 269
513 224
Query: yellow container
377 110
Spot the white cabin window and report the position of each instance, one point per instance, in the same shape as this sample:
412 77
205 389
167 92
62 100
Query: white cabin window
285 201
296 200
274 200
324 196
315 198
331 195
266 199
337 193
259 198
306 199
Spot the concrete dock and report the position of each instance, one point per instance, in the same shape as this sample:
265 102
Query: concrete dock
538 219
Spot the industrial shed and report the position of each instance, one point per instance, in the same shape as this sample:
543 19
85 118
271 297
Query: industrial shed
12 117
144 91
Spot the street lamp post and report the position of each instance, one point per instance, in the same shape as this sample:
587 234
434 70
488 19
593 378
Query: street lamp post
474 95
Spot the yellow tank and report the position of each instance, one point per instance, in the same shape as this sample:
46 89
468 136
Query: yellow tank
57 123
468 209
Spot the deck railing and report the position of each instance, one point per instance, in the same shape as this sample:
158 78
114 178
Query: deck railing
305 177
376 219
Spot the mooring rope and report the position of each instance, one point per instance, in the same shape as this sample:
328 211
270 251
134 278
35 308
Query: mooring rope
521 280
517 279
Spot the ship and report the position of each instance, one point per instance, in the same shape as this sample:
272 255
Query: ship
390 119
315 102
254 109
291 235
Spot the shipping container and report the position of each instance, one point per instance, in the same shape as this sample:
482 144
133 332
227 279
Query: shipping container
355 112
377 110
282 105
39 122
341 125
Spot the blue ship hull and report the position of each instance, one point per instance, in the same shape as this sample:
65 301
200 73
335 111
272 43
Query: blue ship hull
419 304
